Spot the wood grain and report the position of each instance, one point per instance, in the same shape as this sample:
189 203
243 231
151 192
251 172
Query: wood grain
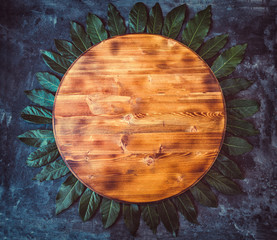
139 118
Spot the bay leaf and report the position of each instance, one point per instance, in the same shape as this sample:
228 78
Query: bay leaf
89 203
55 61
174 21
240 127
37 138
222 183
41 97
185 205
79 37
228 167
67 49
211 47
96 29
48 81
204 195
227 62
138 18
109 210
68 193
35 114
43 155
131 214
169 216
242 108
116 23
236 146
155 20
52 171
232 86
197 29
150 216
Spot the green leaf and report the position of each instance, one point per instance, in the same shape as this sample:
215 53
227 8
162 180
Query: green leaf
197 29
55 61
131 214
234 85
41 97
36 114
227 62
155 20
88 204
222 183
48 81
242 108
79 37
43 155
228 167
213 46
52 171
96 29
150 216
169 216
67 49
239 127
173 21
204 195
186 207
69 192
109 210
138 18
37 138
116 24
236 146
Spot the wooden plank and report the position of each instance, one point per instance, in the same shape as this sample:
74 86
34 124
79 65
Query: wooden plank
139 118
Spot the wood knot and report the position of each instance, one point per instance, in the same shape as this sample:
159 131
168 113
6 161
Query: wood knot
128 118
180 178
123 143
193 129
149 160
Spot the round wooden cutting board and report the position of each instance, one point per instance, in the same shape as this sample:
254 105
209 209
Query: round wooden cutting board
139 118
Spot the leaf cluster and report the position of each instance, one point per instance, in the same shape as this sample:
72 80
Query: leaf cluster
193 35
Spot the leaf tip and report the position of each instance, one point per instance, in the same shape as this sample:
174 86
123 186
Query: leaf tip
39 75
240 176
89 15
183 6
226 35
58 211
174 233
215 205
106 226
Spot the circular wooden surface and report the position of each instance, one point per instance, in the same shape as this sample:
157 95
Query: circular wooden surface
139 118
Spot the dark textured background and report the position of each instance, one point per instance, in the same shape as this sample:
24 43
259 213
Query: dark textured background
27 207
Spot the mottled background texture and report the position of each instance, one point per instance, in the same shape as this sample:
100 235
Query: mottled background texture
27 207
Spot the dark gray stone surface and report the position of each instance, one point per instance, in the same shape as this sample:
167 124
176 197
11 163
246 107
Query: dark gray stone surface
27 207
